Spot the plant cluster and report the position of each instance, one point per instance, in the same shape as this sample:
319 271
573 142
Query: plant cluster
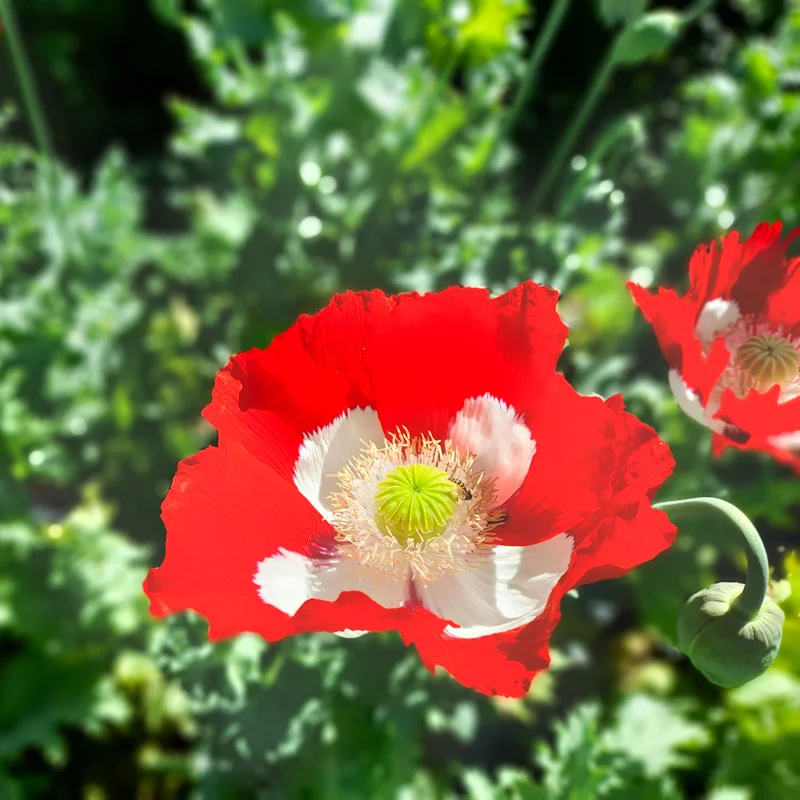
350 145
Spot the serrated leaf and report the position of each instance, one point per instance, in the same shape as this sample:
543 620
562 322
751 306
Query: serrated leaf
46 695
655 734
571 769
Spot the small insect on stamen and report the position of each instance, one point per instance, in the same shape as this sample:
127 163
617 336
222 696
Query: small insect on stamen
496 519
463 487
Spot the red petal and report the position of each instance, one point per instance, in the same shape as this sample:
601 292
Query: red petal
747 272
503 664
226 512
761 417
627 531
719 444
643 460
261 431
572 470
437 350
594 463
670 317
335 337
620 544
784 305
673 320
530 328
268 399
595 469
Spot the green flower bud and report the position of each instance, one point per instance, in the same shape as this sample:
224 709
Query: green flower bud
721 642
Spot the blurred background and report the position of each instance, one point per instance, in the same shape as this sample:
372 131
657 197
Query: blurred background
194 175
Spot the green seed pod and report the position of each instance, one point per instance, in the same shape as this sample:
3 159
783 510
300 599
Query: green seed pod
721 642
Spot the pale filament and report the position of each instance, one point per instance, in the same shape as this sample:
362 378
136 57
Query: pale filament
744 331
353 506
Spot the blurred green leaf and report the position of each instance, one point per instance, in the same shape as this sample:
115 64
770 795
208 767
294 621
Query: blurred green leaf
788 658
614 11
47 694
489 28
656 734
598 310
572 767
649 36
435 134
761 747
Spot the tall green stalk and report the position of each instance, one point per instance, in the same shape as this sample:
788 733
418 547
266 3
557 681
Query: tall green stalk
33 104
589 102
544 42
541 47
27 83
567 142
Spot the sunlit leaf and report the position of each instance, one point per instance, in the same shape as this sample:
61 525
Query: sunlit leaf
489 27
435 134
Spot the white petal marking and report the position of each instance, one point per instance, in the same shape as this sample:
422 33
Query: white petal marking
288 579
714 317
786 441
500 440
349 633
500 590
283 581
690 404
324 452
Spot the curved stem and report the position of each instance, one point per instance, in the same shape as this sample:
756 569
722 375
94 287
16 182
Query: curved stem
752 597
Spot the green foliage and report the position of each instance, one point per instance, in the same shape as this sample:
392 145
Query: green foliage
746 115
70 603
350 145
648 36
762 738
629 758
613 11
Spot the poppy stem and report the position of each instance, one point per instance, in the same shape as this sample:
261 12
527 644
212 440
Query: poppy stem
606 142
542 46
751 600
27 83
576 125
587 106
33 104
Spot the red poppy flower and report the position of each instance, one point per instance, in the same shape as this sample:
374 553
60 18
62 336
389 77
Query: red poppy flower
411 463
732 342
